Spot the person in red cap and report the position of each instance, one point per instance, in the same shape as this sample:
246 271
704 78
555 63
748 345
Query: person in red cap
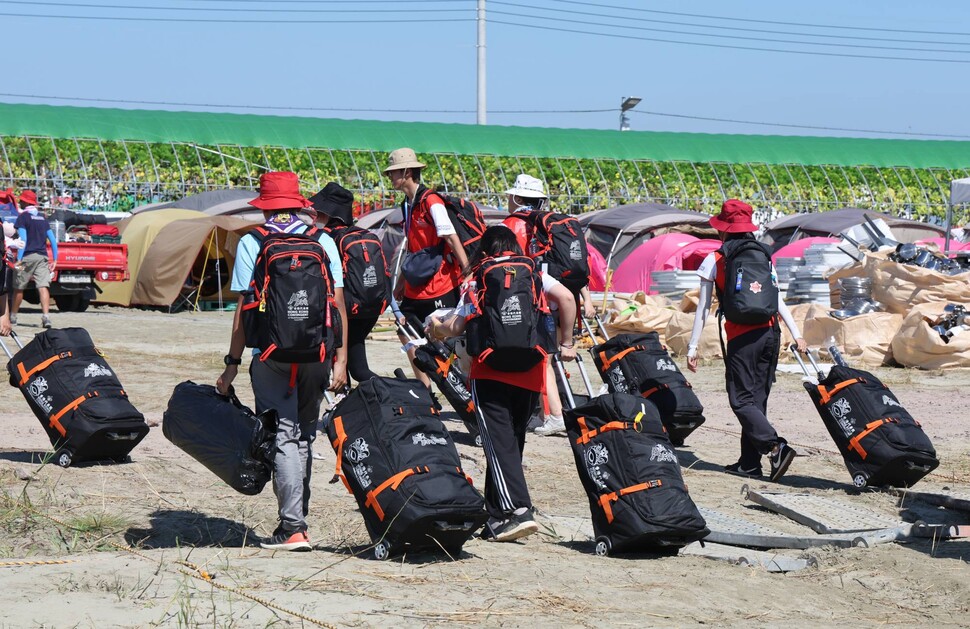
294 390
741 274
32 262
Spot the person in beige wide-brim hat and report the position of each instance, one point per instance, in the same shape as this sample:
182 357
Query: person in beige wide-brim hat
423 285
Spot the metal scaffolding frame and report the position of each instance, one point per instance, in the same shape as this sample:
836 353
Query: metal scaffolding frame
135 172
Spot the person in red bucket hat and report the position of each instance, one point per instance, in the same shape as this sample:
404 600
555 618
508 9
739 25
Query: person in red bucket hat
742 276
33 265
294 390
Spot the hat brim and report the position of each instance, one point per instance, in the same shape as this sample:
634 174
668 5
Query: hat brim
732 228
343 213
414 164
526 194
281 203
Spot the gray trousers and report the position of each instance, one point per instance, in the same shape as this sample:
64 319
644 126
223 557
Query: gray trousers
298 411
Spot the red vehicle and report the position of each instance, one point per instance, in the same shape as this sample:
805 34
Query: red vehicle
80 267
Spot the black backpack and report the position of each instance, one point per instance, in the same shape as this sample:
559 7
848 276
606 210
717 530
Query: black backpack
559 243
467 219
750 294
512 329
289 313
366 278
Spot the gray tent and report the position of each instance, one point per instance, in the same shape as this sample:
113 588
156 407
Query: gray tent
832 222
959 193
212 202
616 232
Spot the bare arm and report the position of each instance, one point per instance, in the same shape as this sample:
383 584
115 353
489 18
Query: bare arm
237 343
339 377
700 320
455 243
567 319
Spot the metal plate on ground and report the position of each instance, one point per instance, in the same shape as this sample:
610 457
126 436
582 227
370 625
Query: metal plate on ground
734 531
824 515
772 562
946 499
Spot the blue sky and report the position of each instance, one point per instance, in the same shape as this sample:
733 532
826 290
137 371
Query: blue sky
401 61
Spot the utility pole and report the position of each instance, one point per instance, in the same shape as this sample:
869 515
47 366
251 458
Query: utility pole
480 110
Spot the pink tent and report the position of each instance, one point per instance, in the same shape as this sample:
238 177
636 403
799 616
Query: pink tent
797 249
597 270
661 253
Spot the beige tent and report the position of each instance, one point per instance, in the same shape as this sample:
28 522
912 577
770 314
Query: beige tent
175 252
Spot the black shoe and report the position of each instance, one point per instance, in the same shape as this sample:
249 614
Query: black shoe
534 422
780 460
737 470
516 527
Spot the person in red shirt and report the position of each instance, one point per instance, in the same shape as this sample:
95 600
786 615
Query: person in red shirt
427 228
527 194
505 401
751 354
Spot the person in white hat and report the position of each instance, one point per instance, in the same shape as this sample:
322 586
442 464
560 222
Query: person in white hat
427 229
527 195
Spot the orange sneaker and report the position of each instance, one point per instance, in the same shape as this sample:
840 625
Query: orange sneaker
281 540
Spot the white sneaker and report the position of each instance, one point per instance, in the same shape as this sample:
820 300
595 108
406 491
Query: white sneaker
553 426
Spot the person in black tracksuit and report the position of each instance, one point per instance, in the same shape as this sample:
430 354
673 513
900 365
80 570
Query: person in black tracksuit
751 355
335 208
505 401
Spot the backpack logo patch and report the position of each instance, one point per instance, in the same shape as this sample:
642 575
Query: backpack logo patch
369 278
94 370
575 251
596 456
358 451
298 306
617 379
36 390
664 364
511 311
421 439
755 287
662 454
840 411
888 401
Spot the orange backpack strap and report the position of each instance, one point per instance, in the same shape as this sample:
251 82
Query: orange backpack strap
393 482
25 374
338 447
827 394
606 500
856 442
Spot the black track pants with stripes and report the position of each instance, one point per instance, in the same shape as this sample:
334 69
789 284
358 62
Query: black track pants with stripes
503 414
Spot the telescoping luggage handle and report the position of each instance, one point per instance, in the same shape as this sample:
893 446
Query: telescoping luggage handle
818 371
599 325
16 339
561 373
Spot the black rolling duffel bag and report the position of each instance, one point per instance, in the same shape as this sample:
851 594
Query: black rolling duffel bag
77 397
438 361
223 435
638 363
628 467
879 440
398 460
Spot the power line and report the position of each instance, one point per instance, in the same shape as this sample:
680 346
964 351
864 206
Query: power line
471 111
225 10
296 108
232 21
757 21
799 126
731 37
733 28
710 45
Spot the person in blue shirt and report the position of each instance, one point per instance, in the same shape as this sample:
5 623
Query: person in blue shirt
296 394
32 261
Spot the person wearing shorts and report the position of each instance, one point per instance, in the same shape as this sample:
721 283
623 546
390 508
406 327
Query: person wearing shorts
32 262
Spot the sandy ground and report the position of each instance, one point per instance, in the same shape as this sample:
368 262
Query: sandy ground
181 519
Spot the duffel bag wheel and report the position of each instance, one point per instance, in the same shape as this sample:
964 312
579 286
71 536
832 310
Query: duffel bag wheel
603 547
64 458
122 459
382 551
860 480
478 440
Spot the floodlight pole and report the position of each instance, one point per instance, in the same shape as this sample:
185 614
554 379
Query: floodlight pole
480 110
626 104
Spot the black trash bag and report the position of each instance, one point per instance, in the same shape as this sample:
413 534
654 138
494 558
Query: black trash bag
226 437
